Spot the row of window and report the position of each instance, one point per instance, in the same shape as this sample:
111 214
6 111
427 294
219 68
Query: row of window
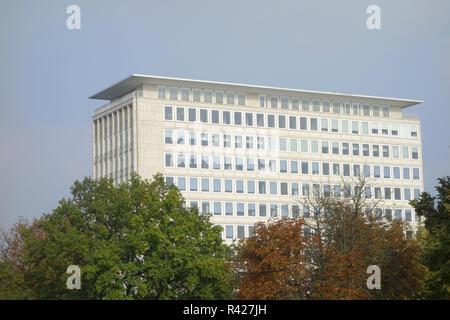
284 144
275 102
284 188
276 210
193 161
281 121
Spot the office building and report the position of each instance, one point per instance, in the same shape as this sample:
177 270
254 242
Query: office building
245 153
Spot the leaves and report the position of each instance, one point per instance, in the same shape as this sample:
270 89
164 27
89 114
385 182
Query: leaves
133 241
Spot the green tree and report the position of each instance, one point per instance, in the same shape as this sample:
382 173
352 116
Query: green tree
131 241
436 211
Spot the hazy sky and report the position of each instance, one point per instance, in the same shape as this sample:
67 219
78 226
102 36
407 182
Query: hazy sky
47 72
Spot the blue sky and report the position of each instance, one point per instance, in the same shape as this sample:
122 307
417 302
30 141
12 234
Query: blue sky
48 72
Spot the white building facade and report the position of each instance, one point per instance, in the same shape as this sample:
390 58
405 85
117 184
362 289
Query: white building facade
245 153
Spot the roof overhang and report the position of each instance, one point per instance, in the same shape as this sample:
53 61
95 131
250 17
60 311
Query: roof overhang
131 83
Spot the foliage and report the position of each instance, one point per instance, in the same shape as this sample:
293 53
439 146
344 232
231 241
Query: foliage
131 241
331 251
436 211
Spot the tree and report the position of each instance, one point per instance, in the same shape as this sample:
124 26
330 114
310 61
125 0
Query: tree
436 255
131 241
271 263
338 237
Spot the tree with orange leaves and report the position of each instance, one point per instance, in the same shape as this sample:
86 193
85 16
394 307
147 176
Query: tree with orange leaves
326 255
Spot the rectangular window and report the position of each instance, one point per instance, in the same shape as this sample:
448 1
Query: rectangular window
324 124
295 103
397 194
326 106
313 124
325 168
416 174
249 142
238 142
261 187
386 111
406 175
316 105
250 187
304 145
294 166
336 169
271 121
385 151
205 184
345 148
344 126
216 162
366 110
217 186
251 211
204 139
241 99
205 161
355 129
250 164
305 104
374 126
185 94
366 171
376 172
262 101
180 113
196 95
260 143
325 148
229 232
262 210
193 161
336 107
284 188
215 116
315 167
274 102
237 118
365 127
396 172
305 169
181 161
260 120
284 103
207 96
173 92
241 231
226 141
240 210
168 113
192 114
355 147
249 119
168 136
227 163
281 121
415 153
226 117
204 115
193 186
169 160
217 208
228 185
387 172
387 193
283 166
261 164
293 145
334 125
335 147
162 92
375 150
303 123
292 122
219 97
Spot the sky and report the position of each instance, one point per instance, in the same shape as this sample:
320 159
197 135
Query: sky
48 72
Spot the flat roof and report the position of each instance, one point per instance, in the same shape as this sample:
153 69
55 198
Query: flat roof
130 83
